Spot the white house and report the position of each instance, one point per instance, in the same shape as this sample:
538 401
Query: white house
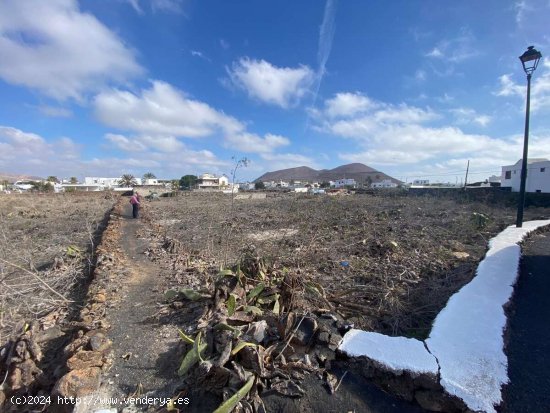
105 182
210 181
342 183
385 183
538 176
151 182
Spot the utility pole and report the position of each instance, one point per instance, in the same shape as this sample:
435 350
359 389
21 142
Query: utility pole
466 179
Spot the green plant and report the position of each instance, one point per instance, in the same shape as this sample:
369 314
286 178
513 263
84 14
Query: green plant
259 185
188 181
127 180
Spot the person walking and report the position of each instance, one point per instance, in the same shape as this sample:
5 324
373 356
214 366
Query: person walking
135 201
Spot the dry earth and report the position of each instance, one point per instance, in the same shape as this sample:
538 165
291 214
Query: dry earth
288 275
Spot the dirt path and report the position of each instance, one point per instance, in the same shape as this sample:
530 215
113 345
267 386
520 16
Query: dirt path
144 350
529 335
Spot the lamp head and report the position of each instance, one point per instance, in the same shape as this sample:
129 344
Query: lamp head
530 59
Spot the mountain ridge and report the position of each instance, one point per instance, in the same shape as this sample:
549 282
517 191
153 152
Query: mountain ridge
358 171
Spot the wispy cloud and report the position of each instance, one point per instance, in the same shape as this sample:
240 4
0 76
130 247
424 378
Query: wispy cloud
196 53
521 8
540 88
135 5
326 35
170 6
224 44
464 116
55 111
457 49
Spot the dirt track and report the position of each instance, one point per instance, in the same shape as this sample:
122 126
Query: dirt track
144 350
147 348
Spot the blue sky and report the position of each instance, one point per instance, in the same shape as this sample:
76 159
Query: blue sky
412 88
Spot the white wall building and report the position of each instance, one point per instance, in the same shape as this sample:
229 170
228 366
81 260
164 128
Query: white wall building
151 182
342 183
385 183
105 182
538 176
210 181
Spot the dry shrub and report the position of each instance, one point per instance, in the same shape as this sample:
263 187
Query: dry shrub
46 252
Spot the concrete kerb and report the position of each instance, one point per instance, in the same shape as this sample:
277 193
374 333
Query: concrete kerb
466 340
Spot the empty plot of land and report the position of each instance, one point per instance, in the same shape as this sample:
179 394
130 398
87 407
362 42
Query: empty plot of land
46 244
387 264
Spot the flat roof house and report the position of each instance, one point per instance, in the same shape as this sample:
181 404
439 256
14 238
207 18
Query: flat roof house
538 176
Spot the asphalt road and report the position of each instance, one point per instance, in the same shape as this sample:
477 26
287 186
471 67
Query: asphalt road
528 347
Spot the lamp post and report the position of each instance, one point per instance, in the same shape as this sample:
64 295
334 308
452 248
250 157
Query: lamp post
529 60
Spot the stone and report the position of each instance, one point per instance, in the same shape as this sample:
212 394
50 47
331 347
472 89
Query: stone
305 332
98 342
100 298
334 341
85 359
427 381
49 334
460 255
78 383
257 331
323 337
435 401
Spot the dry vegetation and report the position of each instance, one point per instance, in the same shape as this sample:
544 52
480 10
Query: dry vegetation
385 263
46 248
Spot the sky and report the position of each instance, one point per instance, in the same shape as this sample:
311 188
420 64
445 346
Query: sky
413 88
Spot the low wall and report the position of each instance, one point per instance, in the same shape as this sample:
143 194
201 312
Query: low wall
487 195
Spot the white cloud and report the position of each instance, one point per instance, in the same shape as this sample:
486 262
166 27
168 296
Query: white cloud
162 110
249 142
465 116
55 112
281 86
326 35
224 44
59 50
156 118
27 152
172 6
420 75
540 88
348 104
435 52
30 153
135 5
286 160
123 143
395 135
457 49
196 53
522 8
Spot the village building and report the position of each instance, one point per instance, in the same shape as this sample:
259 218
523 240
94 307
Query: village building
212 182
343 183
538 176
385 183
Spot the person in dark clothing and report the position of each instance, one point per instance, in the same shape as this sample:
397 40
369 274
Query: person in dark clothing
134 200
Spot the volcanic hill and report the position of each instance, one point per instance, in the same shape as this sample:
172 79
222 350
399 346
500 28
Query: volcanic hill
362 174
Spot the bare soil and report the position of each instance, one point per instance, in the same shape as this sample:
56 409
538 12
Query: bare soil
47 246
387 264
300 271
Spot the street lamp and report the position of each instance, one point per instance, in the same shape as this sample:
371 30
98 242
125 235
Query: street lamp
529 60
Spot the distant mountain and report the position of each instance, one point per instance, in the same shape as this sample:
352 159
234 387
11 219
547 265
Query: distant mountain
358 171
11 178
